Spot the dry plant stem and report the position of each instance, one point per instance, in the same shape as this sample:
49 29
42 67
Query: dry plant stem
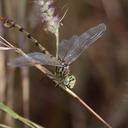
57 34
64 15
57 42
4 126
3 77
25 84
86 106
29 123
25 88
51 76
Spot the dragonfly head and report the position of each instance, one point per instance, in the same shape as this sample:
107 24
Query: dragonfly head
69 81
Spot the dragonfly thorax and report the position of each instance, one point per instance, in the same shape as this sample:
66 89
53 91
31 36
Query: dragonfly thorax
63 74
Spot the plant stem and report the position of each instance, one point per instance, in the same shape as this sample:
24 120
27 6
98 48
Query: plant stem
57 42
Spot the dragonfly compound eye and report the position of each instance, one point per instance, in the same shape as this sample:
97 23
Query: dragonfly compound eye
70 81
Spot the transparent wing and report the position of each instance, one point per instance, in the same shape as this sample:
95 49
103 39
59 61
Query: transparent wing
70 50
35 58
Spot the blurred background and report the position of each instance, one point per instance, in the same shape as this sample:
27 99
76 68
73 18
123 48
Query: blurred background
101 71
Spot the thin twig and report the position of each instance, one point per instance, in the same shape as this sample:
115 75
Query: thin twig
7 43
64 15
57 34
4 126
57 42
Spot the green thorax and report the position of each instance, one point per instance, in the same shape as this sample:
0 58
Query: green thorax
63 75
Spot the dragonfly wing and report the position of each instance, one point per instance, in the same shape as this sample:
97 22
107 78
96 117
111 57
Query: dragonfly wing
66 46
35 58
70 50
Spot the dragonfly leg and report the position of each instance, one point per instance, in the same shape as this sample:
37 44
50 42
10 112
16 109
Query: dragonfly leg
57 84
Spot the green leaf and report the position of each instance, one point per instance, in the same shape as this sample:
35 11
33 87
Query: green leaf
8 110
14 115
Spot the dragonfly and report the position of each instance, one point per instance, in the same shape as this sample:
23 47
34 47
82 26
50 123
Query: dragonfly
69 51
